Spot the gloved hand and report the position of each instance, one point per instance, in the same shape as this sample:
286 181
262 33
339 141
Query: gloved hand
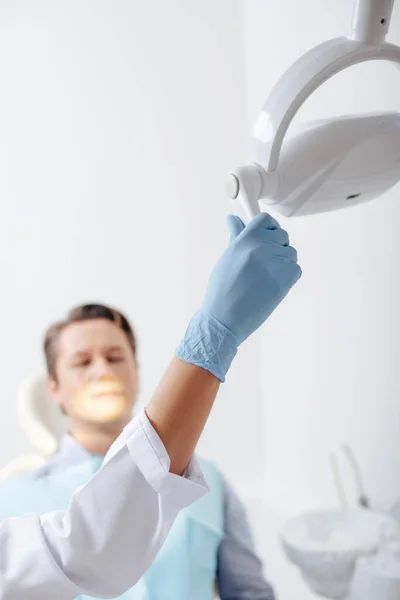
252 277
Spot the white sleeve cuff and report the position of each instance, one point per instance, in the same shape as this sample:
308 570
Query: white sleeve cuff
151 458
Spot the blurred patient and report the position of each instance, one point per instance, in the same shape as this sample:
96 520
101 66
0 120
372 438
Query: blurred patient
93 377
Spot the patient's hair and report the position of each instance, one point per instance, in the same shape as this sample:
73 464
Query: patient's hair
85 312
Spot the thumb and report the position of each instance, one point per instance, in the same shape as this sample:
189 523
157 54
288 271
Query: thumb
235 225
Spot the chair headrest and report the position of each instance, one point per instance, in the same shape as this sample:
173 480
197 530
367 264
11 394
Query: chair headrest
40 418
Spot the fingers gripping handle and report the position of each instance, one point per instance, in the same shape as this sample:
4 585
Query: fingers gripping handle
244 188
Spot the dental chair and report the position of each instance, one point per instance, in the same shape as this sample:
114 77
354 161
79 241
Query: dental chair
42 422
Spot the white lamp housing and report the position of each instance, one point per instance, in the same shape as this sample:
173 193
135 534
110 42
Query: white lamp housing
327 164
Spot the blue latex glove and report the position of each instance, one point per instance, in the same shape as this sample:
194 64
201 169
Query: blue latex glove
252 277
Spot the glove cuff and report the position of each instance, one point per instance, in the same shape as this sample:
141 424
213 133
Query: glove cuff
208 344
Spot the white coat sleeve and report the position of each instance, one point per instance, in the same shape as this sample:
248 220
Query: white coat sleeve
110 533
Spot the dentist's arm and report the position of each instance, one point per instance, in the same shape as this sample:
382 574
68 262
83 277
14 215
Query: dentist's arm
251 278
115 524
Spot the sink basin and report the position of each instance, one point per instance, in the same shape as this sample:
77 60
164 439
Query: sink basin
325 546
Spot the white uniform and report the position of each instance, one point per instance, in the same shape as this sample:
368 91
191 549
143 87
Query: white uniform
111 532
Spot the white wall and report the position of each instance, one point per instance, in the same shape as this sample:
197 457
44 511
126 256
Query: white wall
119 121
331 353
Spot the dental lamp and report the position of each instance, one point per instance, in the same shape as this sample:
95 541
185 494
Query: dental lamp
326 164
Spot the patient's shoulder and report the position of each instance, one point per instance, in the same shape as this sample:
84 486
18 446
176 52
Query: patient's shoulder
15 495
16 483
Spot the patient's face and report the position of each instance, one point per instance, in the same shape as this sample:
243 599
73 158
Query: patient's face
96 373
